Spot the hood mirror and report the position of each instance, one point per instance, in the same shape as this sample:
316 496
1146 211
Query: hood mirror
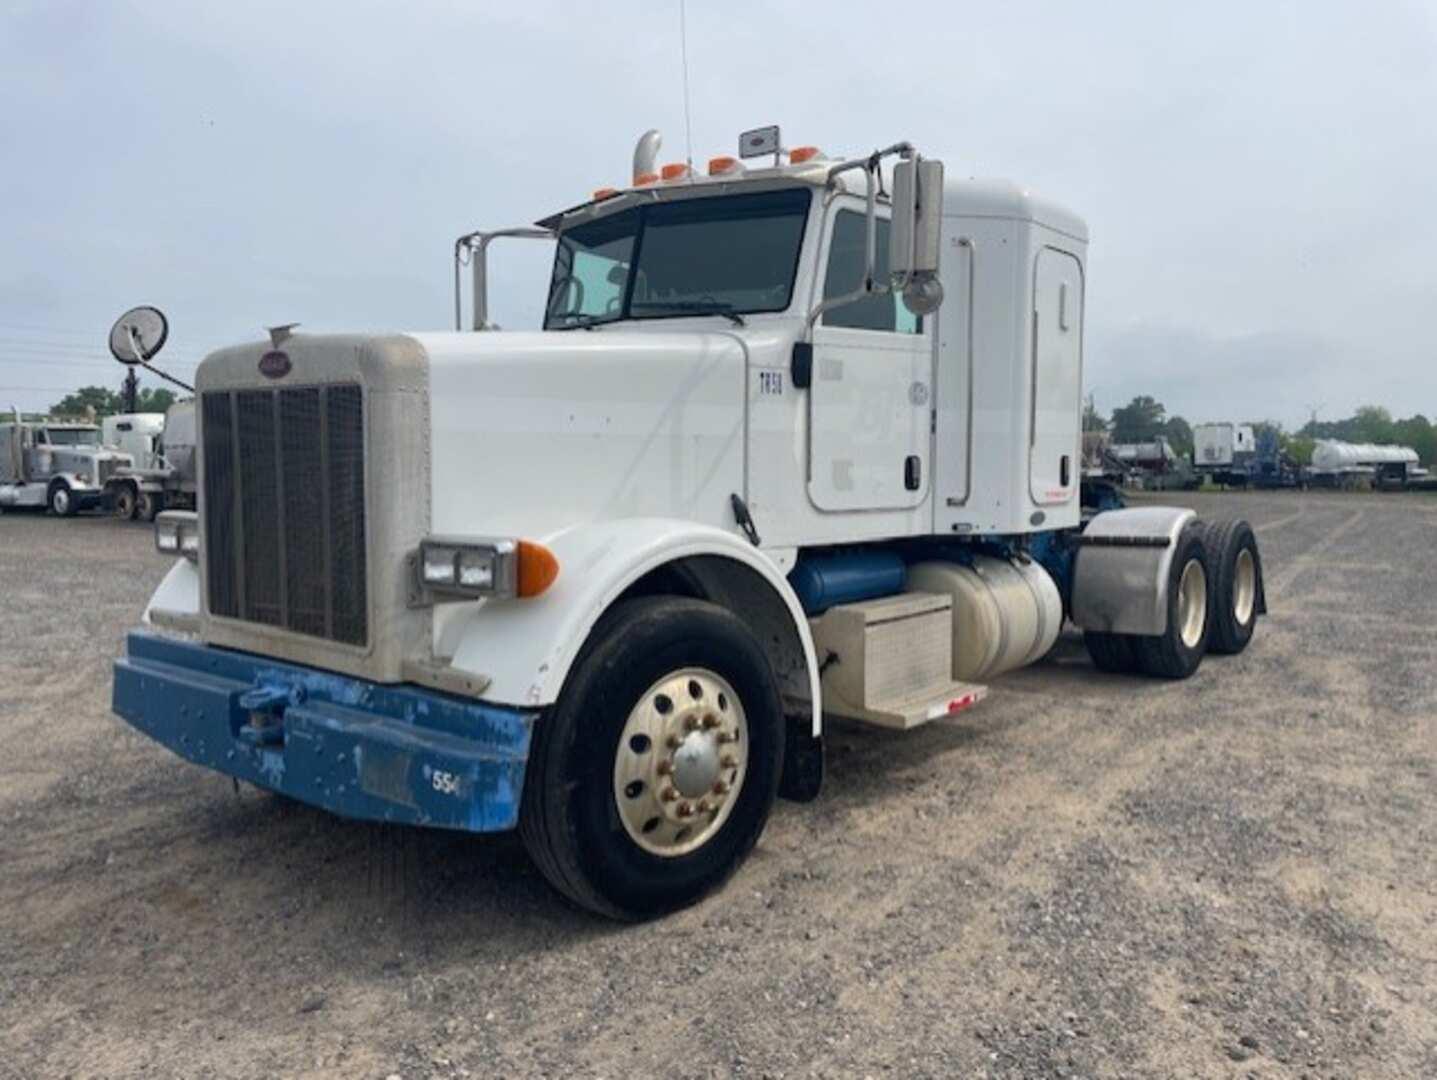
138 335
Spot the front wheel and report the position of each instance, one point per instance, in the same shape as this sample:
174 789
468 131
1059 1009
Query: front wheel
653 776
126 500
62 500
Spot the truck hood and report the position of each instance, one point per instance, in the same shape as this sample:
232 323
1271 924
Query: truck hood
533 433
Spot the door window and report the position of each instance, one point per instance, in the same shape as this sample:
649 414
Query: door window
847 260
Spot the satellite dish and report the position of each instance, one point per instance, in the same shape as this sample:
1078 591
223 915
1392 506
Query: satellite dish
138 335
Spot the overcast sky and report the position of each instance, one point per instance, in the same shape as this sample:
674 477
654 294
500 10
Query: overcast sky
1257 177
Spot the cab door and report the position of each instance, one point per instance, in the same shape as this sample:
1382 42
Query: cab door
870 398
1057 378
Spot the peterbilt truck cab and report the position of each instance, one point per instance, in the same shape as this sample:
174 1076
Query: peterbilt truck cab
62 465
796 439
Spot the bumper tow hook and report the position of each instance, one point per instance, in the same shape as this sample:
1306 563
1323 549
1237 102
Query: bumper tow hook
265 705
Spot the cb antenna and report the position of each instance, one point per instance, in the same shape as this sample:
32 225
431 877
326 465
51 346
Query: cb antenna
684 53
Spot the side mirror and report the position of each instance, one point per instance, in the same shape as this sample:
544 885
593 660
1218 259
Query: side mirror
138 335
915 234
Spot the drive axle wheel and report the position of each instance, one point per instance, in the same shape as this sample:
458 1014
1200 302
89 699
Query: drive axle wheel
1235 591
652 777
1176 653
1112 653
125 502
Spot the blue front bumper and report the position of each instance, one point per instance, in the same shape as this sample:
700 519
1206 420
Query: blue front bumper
356 748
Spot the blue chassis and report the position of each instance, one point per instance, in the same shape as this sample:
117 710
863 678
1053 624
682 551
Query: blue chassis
356 748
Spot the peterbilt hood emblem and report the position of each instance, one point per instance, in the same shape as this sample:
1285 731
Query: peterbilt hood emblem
275 364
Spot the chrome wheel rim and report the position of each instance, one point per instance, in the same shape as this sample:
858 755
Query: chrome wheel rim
61 500
681 762
1192 603
1244 587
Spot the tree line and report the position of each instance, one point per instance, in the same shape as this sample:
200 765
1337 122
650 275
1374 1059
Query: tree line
1144 418
108 402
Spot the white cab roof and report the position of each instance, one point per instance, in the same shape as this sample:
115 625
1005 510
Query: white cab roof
996 198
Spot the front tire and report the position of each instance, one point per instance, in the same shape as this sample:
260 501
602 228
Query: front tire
61 500
652 777
1176 653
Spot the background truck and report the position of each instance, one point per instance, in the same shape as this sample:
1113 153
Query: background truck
164 476
1344 464
58 464
1224 453
1155 464
798 439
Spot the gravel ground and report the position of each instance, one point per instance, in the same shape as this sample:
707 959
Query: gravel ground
1086 876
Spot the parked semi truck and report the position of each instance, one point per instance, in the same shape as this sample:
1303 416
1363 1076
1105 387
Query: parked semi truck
798 438
164 477
59 464
1224 453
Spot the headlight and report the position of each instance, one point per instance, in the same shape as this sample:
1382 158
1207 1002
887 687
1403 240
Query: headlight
177 532
450 567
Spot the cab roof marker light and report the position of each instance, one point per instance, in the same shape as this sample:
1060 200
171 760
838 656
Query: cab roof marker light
724 165
645 179
799 154
600 194
676 170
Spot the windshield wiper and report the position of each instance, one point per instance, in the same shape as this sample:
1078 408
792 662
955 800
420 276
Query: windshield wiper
701 307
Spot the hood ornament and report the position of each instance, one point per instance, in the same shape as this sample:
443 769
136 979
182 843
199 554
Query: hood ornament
278 334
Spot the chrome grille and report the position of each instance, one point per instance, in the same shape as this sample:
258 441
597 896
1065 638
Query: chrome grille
284 509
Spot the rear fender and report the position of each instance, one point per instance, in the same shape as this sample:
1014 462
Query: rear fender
524 649
1120 577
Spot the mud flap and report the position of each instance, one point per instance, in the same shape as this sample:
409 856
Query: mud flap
802 761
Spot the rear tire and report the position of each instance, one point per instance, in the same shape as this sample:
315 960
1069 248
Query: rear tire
1235 593
1112 653
605 786
148 506
126 502
1176 653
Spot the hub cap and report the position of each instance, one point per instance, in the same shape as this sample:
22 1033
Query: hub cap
1244 587
61 500
1192 603
681 762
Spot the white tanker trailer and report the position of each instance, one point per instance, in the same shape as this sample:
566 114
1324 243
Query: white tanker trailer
1344 464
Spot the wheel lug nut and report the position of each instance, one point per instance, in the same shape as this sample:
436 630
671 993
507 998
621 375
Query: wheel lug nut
721 787
669 794
685 809
725 737
728 761
673 742
665 767
691 723
710 721
703 807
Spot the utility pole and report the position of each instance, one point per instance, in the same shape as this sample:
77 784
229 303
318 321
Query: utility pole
130 392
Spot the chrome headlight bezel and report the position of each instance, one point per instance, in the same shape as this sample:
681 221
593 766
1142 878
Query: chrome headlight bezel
465 568
177 532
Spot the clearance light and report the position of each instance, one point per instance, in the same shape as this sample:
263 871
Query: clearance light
675 171
466 569
645 179
800 154
604 193
725 166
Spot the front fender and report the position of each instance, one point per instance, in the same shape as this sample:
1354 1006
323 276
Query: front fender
525 648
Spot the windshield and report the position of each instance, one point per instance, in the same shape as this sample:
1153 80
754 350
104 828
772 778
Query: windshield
732 255
73 436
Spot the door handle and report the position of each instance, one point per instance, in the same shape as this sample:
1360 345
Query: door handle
913 472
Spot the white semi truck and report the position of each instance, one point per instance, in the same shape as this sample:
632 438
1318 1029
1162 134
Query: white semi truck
62 465
1224 453
797 439
163 476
